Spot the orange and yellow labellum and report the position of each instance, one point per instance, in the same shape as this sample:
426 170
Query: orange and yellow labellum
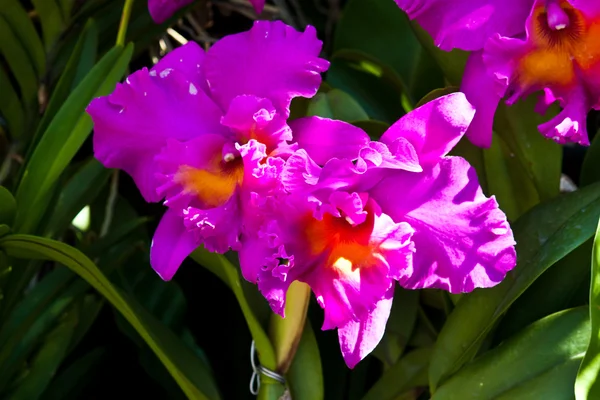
215 184
348 247
561 50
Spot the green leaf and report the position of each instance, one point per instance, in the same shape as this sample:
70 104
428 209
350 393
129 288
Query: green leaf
399 327
553 291
81 61
229 274
409 372
11 107
381 30
535 354
375 129
64 136
80 190
434 94
376 87
51 18
69 383
45 364
18 61
4 229
305 376
23 28
540 158
544 235
8 206
336 104
590 170
587 385
186 369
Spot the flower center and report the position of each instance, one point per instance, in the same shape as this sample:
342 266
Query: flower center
215 184
564 40
347 247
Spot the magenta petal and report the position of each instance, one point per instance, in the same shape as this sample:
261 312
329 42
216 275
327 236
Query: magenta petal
483 91
359 338
324 139
162 10
258 5
462 239
171 244
132 124
466 24
569 126
271 60
434 128
188 60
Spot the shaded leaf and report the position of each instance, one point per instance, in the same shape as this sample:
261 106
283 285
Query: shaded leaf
336 104
8 206
305 376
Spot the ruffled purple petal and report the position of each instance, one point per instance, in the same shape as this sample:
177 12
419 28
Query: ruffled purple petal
251 117
359 338
324 138
171 244
467 24
188 60
272 61
484 91
132 124
434 128
569 126
162 10
462 239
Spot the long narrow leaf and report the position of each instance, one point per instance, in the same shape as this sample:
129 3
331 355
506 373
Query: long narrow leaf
186 369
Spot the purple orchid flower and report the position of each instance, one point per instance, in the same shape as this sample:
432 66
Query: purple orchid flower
520 47
162 10
206 131
358 215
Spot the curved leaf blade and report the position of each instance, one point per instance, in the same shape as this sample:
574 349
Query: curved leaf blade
186 369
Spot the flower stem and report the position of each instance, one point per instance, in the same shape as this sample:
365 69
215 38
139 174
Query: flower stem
124 22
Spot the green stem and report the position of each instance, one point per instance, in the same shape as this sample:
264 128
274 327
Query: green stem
124 22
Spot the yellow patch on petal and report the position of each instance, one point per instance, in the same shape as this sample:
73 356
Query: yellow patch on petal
558 53
214 185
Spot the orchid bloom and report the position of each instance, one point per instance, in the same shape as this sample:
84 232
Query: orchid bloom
162 10
205 131
520 47
358 215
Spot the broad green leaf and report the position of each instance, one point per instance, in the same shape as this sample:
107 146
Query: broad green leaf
553 291
587 386
8 206
11 107
88 307
186 369
336 104
305 376
68 383
81 61
409 372
4 229
540 157
376 87
380 29
19 62
221 267
434 94
80 190
544 235
590 170
66 6
22 26
399 327
452 63
46 362
51 18
549 344
514 190
64 136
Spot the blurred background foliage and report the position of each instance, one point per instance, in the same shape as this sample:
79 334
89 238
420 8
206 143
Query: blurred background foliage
61 339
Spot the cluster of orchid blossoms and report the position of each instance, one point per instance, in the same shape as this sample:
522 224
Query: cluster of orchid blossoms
316 200
519 47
